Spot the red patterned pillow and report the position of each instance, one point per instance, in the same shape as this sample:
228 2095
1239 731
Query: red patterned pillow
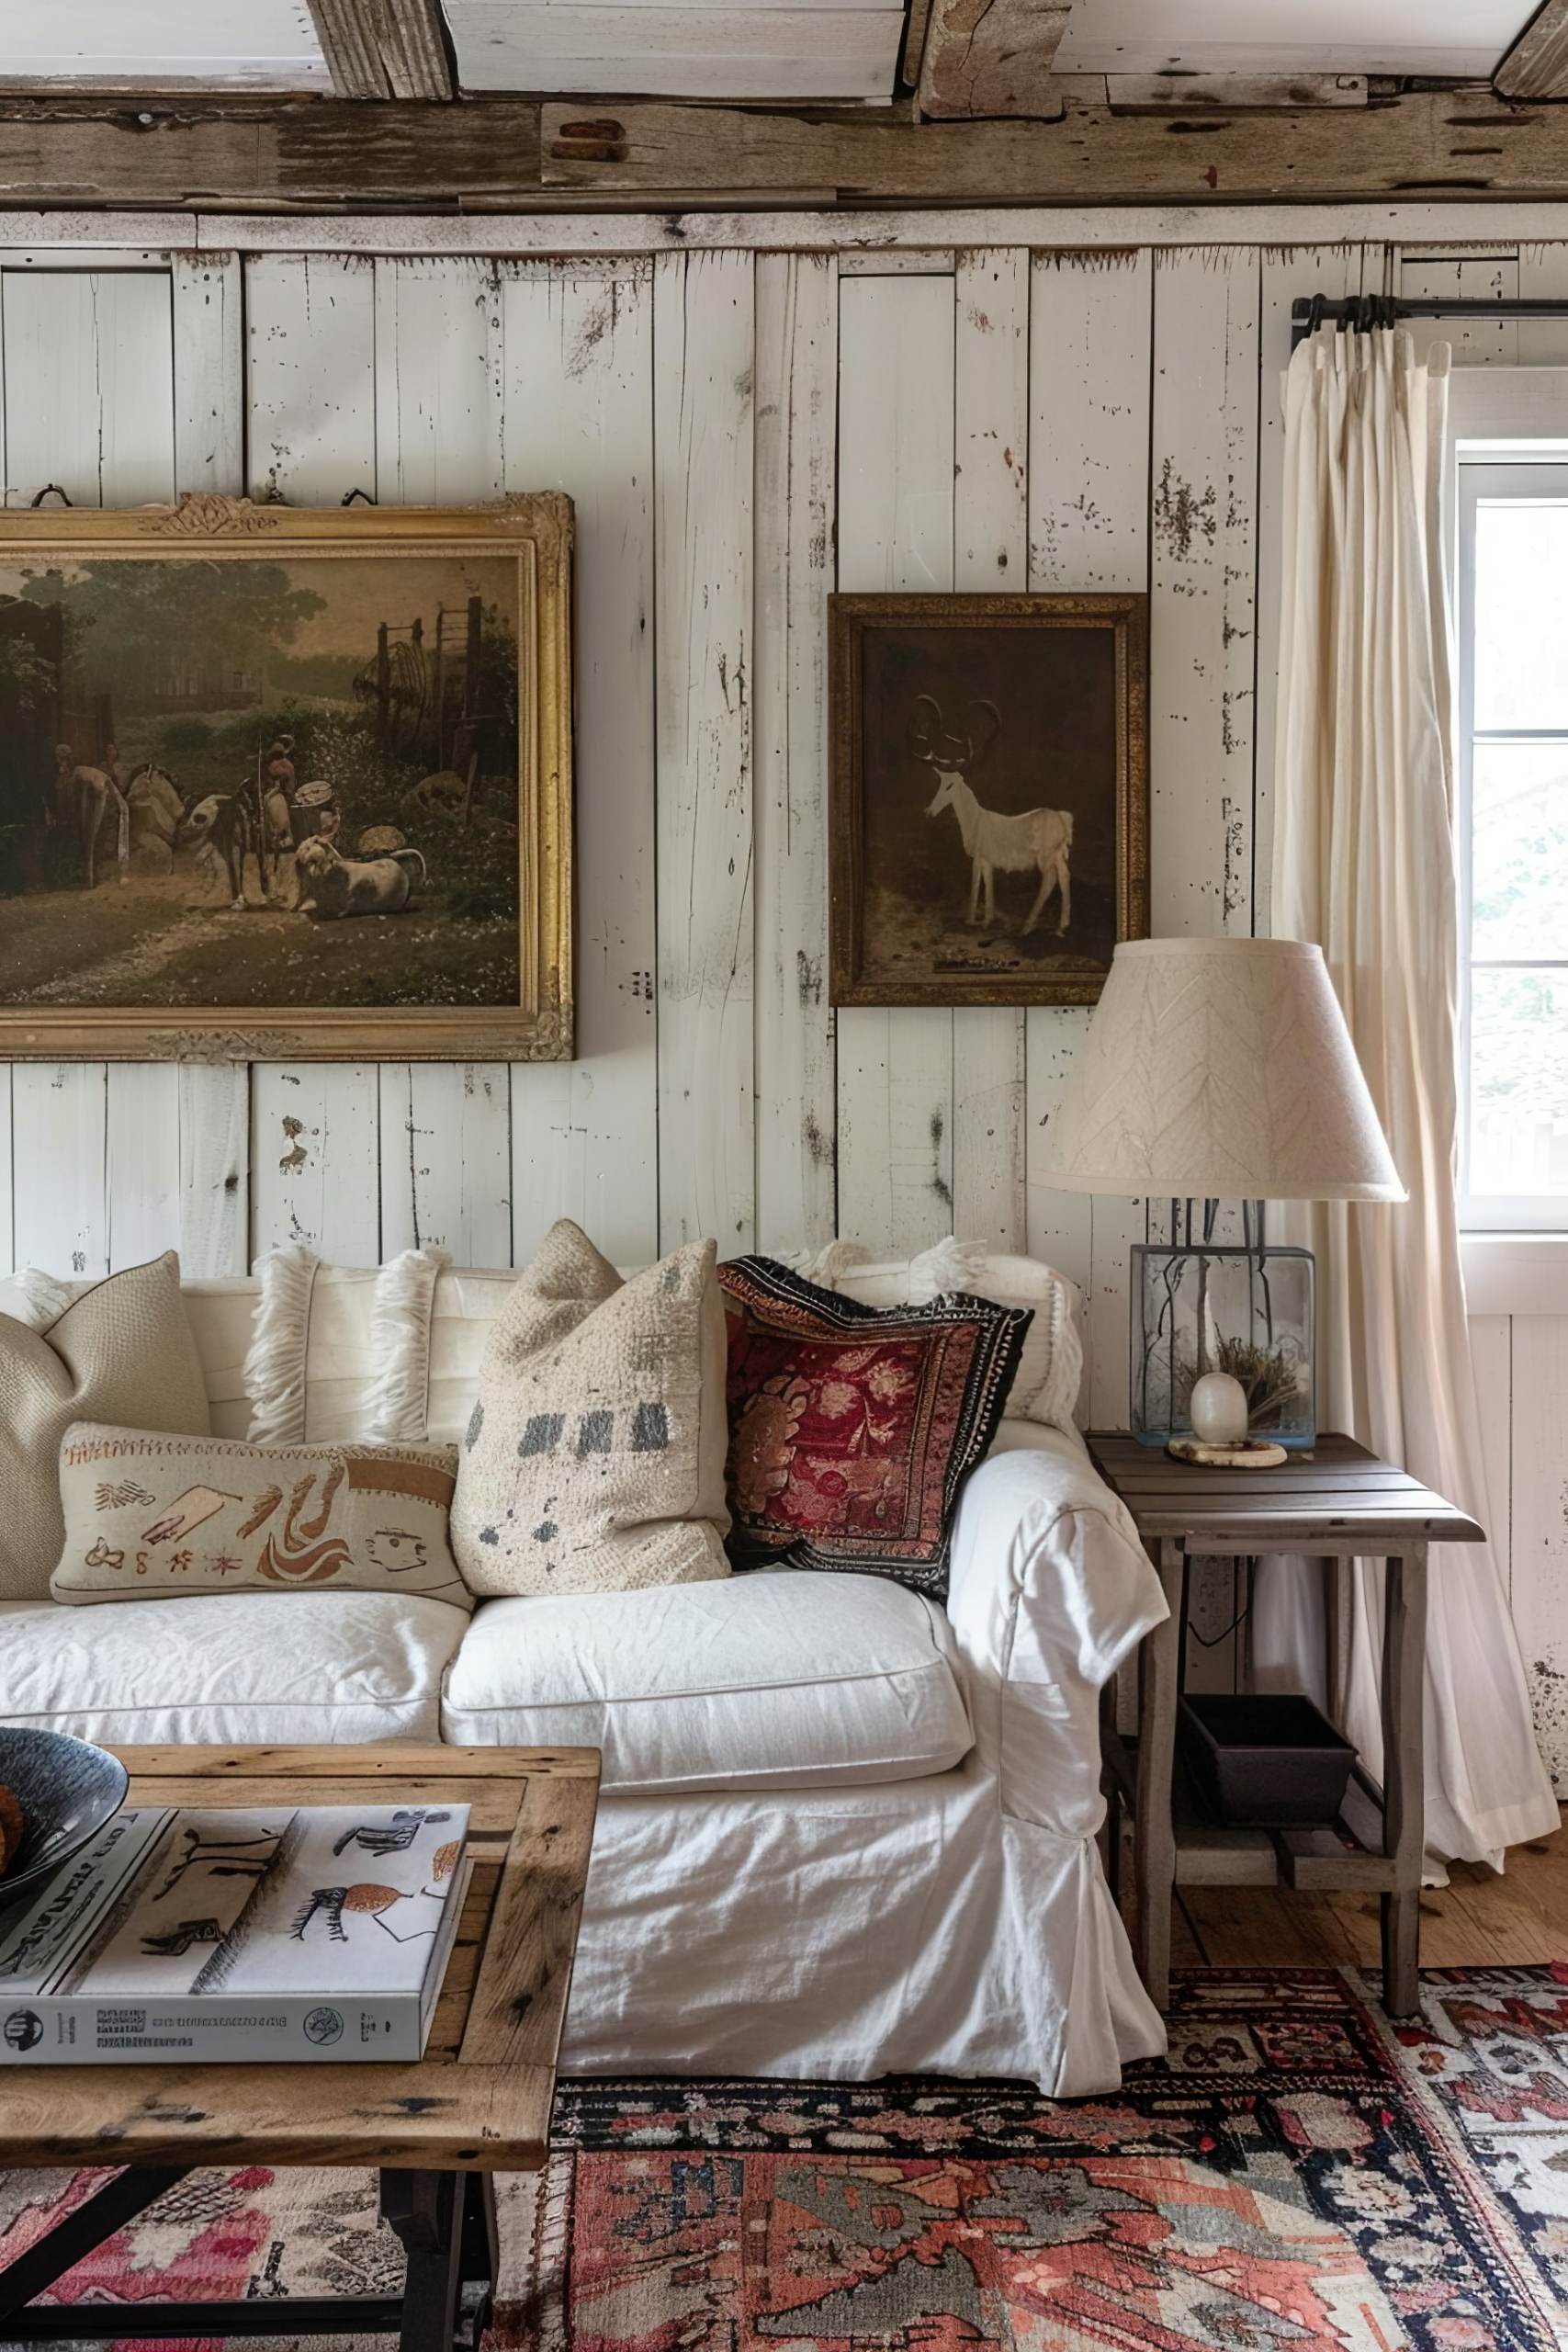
851 1428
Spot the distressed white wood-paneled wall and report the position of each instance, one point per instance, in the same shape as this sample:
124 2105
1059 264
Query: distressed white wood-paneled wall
742 432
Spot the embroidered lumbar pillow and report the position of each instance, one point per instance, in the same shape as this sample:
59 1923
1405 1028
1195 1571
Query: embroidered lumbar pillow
119 1351
594 1458
854 1428
153 1518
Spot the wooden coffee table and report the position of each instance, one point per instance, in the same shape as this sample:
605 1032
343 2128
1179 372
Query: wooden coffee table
476 2103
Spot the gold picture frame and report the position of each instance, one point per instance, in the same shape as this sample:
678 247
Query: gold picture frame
144 917
1046 699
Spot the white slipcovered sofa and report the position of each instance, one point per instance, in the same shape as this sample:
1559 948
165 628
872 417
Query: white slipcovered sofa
842 1832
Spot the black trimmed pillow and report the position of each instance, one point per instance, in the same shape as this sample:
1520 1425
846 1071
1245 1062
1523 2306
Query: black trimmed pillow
853 1429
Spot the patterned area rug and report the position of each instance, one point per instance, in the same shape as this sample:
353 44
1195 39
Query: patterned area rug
1298 2175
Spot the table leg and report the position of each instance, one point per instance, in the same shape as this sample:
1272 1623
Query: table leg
426 2209
1404 1697
1154 1839
108 2209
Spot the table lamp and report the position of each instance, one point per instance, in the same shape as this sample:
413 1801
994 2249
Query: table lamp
1219 1070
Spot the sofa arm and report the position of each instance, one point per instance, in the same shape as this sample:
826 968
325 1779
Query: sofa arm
1050 1589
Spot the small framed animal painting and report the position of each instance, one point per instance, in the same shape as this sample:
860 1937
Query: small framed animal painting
281 783
990 795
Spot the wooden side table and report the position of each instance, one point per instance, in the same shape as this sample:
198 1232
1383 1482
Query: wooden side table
1340 1502
477 2102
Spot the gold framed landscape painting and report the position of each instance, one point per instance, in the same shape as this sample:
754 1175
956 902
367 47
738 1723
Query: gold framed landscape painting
286 783
990 796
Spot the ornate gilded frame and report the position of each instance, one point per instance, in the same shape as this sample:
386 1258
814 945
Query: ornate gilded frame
539 526
849 616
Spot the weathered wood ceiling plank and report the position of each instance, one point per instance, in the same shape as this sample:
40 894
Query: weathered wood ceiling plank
260 155
991 57
383 49
1537 65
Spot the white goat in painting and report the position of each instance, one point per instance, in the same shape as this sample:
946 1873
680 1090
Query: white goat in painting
1038 841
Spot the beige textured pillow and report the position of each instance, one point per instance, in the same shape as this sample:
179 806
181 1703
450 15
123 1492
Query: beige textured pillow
153 1518
122 1352
593 1461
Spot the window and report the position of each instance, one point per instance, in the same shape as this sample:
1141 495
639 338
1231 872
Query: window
1512 611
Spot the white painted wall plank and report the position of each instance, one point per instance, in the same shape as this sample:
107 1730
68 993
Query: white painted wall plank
797 341
311 348
1202 621
311 352
315 1176
1091 329
210 372
896 508
58 1158
1540 1532
579 417
446 1157
438 382
703 357
445 1129
141 1160
212 1098
990 554
1486 276
1543 277
91 404
215 1167
89 370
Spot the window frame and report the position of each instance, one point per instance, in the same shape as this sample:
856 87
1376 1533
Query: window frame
1483 473
1508 428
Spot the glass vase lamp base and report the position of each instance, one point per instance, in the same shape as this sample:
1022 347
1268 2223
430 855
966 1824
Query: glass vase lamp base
1247 1311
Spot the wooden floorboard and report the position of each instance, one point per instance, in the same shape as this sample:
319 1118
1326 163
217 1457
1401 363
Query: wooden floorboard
1480 1917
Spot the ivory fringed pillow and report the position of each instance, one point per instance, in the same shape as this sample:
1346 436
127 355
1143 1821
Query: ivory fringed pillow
593 1461
121 1346
154 1518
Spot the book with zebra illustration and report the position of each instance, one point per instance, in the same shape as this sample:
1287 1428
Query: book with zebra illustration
243 1933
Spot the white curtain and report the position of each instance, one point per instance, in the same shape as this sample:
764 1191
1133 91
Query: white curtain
1364 865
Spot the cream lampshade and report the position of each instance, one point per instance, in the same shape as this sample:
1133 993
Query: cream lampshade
1219 1070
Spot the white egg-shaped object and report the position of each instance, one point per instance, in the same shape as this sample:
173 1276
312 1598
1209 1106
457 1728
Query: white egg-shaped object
1218 1410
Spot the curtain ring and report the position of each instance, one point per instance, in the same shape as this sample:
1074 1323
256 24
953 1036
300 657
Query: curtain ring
50 490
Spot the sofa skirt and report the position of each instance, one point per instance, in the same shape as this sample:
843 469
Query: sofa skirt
848 1933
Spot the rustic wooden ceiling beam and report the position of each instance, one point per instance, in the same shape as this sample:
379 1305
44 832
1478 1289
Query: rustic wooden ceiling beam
986 58
1537 65
261 154
263 157
1463 140
384 49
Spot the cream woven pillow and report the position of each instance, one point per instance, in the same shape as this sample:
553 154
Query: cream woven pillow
153 1518
119 1352
594 1458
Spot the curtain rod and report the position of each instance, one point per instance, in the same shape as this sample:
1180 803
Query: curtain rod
1361 312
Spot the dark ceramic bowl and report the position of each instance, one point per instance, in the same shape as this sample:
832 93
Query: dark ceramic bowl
67 1789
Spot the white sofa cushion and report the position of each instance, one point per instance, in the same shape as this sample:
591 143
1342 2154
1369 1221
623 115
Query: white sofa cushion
231 1668
779 1680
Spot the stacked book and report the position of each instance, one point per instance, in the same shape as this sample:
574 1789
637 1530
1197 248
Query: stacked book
180 1937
